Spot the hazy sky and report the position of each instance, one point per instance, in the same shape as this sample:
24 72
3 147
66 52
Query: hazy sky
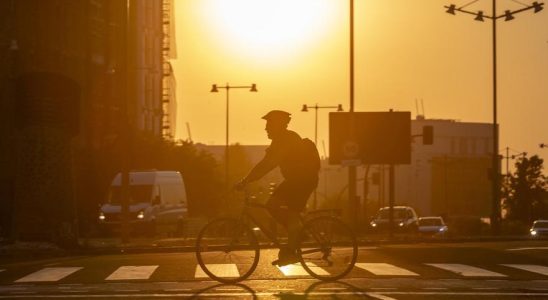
297 52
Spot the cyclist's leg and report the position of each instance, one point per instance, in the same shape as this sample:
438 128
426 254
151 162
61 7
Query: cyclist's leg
293 229
277 207
300 192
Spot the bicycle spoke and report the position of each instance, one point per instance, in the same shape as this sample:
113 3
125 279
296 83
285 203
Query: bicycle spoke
226 245
327 244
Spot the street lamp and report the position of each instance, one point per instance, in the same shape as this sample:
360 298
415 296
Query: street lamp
480 16
215 89
316 107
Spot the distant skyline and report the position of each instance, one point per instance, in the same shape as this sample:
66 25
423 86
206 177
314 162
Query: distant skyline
297 52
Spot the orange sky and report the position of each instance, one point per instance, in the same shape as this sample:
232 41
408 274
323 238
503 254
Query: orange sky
296 51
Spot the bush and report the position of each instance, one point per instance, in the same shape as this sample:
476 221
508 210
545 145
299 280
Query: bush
466 225
514 227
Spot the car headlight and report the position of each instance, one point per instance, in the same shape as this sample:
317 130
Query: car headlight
401 224
101 216
533 232
141 215
442 229
373 224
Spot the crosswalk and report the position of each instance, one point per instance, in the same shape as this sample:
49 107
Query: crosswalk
129 273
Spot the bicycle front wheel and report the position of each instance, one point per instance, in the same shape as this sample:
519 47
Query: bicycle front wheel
227 250
328 248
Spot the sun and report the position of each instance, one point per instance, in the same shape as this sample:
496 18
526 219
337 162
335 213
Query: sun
269 28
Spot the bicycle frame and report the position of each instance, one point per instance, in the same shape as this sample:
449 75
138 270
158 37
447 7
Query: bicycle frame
246 215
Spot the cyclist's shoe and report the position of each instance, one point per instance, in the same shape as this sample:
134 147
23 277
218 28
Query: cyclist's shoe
286 257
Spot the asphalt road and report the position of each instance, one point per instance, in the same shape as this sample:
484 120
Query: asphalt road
495 270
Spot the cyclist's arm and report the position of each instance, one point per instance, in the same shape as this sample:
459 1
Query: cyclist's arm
262 168
271 160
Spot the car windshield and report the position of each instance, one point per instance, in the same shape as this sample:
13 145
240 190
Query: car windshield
398 214
541 225
430 222
137 194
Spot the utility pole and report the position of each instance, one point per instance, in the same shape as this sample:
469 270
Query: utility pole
352 203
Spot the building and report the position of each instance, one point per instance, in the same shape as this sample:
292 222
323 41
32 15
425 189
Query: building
117 62
169 84
450 177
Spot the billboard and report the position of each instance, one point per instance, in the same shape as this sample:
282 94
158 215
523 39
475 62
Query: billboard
370 137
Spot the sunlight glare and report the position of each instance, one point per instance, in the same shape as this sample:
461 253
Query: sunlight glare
267 28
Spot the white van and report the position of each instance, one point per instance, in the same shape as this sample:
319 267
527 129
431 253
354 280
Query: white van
157 202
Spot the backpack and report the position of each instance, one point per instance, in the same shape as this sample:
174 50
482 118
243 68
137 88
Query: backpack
311 157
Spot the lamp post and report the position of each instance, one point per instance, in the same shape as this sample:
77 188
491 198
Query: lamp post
215 89
480 16
316 107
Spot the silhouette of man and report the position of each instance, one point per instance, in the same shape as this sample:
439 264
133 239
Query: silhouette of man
289 199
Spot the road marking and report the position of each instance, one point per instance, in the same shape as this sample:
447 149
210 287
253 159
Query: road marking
49 274
531 268
466 270
220 270
298 270
379 296
132 272
177 290
527 248
385 269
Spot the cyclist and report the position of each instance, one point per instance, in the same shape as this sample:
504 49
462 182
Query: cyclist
288 200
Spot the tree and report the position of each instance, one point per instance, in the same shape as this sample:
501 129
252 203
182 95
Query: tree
527 191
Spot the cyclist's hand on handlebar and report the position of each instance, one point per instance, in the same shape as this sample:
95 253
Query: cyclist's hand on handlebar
240 185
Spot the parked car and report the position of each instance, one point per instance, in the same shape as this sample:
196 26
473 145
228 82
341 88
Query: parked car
432 227
405 219
157 203
539 229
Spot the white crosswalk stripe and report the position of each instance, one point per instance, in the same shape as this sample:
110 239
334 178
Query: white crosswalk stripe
53 274
466 270
531 268
220 270
49 274
385 269
298 270
132 272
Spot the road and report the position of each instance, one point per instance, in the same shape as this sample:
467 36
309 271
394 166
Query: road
495 270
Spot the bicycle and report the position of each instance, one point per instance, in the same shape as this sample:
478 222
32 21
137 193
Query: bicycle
327 248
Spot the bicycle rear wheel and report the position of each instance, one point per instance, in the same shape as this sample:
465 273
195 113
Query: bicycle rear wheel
227 250
328 248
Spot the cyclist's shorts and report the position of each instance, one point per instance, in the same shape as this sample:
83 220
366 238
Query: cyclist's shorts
295 194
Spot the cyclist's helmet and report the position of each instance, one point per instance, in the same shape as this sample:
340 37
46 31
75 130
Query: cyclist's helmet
278 116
